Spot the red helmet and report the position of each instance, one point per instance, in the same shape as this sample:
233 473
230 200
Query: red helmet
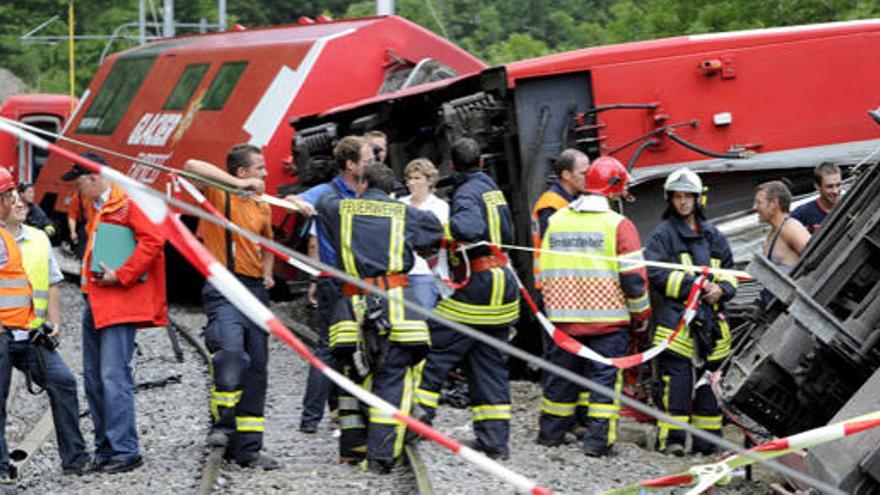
606 176
6 180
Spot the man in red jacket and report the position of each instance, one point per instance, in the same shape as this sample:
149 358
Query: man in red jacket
110 319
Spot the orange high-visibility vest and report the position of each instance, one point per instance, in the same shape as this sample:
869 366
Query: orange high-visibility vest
16 297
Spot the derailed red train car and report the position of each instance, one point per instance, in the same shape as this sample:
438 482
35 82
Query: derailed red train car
737 107
195 96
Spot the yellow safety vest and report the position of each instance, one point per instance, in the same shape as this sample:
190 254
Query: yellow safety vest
580 289
35 258
549 199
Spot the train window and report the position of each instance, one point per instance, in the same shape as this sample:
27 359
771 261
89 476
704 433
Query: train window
115 95
222 85
186 86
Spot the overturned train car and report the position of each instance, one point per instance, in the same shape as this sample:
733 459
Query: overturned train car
815 357
737 107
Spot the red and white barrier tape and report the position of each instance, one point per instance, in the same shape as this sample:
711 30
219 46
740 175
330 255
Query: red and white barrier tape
708 475
479 336
154 206
739 274
573 346
202 201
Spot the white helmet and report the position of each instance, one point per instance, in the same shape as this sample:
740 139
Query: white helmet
683 180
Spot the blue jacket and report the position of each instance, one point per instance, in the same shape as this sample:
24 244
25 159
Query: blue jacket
479 212
673 241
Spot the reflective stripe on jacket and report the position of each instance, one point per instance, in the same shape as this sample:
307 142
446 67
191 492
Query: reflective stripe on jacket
35 256
674 241
479 212
16 297
376 236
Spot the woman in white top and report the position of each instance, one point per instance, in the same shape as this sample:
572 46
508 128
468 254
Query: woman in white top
421 177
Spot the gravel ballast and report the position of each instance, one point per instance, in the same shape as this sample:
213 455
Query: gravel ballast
173 421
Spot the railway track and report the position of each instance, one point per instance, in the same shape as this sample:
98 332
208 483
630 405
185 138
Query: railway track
419 482
172 424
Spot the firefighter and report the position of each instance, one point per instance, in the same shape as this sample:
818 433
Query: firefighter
239 348
378 340
596 301
351 155
570 168
489 302
685 237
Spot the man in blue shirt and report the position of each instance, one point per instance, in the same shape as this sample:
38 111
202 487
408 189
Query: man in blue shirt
826 180
352 154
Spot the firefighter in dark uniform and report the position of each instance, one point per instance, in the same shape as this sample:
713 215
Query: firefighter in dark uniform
595 301
685 237
239 348
489 302
379 341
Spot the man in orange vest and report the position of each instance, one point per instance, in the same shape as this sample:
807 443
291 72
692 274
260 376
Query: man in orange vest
570 168
16 307
110 320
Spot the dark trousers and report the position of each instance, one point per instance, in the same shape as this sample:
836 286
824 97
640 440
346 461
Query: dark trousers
239 356
561 397
109 385
49 371
394 384
679 400
487 375
319 389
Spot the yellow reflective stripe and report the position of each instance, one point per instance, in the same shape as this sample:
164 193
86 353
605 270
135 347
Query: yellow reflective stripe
344 332
378 417
345 230
395 246
497 298
427 397
604 411
492 200
613 421
681 344
638 304
225 399
491 412
673 284
562 409
455 310
250 423
447 233
706 422
406 402
673 426
687 260
584 399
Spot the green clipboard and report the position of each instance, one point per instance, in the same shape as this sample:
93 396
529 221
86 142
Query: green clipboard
113 246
